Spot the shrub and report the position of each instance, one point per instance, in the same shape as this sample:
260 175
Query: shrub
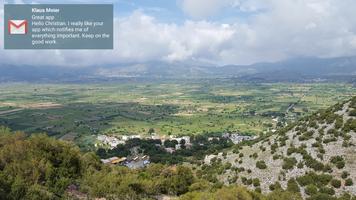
289 163
327 190
321 196
340 164
353 113
258 190
276 157
349 182
327 168
336 183
256 182
312 163
345 174
350 125
339 122
249 182
311 190
292 186
261 164
300 165
275 186
228 166
338 161
313 178
255 155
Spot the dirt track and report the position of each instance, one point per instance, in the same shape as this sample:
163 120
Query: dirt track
10 111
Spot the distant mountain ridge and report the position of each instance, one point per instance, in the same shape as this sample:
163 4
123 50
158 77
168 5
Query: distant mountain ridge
297 69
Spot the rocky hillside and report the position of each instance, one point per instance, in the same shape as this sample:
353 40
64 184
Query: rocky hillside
316 157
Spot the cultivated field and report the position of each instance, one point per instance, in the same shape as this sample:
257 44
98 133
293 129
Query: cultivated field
80 111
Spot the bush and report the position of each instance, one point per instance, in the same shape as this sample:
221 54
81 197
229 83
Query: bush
300 165
313 178
256 182
311 190
249 182
336 183
258 190
338 161
261 164
275 186
339 122
327 168
349 182
289 163
255 155
327 190
321 196
345 174
353 113
292 186
312 163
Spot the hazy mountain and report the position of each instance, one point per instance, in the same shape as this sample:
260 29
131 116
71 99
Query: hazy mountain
299 69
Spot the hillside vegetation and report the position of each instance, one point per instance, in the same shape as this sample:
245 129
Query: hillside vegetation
39 167
315 157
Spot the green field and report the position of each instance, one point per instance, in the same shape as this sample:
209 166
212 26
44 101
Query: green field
80 111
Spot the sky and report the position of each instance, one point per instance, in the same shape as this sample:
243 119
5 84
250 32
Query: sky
218 32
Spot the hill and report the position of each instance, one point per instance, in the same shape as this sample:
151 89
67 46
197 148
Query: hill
315 157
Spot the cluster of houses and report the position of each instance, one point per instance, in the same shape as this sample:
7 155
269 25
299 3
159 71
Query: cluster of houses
112 141
136 162
236 138
142 161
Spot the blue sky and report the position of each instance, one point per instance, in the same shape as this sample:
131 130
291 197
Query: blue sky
171 11
212 31
165 11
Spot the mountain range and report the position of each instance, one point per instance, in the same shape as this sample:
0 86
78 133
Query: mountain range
297 69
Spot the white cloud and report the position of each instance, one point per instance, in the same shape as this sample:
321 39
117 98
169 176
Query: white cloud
280 29
138 37
204 8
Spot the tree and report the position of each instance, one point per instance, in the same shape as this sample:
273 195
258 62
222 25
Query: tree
183 179
170 143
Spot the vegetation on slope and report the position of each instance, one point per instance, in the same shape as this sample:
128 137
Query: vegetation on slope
39 167
313 157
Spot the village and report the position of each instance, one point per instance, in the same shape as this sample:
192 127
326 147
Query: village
170 144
